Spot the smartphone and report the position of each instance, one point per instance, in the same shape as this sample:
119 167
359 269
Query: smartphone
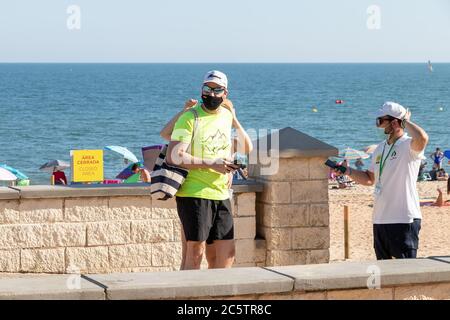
334 165
239 164
239 169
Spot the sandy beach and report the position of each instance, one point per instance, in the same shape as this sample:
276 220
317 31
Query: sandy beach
434 235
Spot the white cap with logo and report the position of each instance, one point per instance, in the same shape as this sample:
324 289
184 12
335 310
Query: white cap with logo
392 109
217 77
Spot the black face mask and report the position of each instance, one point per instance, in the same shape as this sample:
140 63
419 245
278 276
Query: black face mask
212 103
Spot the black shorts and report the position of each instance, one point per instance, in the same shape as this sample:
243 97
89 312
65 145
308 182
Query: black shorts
206 220
399 240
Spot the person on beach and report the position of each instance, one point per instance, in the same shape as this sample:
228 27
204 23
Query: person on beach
166 133
59 177
440 201
393 171
143 173
441 175
359 164
203 201
438 158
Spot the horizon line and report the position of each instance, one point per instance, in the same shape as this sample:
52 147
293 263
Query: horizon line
218 62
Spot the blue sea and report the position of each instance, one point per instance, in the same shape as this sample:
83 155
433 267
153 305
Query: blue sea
46 110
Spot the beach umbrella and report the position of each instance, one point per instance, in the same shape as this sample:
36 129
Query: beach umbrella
370 149
127 154
53 165
352 154
6 175
447 154
17 173
126 173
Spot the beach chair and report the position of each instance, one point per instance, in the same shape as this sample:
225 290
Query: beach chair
426 177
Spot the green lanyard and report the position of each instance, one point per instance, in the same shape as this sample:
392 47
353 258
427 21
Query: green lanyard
383 163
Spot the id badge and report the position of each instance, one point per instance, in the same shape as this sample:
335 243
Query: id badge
377 190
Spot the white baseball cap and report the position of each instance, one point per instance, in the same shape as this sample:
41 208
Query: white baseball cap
392 109
217 77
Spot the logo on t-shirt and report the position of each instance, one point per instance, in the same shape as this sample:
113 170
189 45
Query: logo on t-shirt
216 143
394 155
378 159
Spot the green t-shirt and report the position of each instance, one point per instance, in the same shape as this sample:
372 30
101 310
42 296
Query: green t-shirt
212 140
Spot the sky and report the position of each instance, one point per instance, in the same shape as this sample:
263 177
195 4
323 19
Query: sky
231 31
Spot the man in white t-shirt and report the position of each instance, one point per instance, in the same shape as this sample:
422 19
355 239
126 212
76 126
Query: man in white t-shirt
393 171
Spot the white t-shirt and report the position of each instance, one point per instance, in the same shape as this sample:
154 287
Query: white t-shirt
398 200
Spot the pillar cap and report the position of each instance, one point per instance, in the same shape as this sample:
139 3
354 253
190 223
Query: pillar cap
296 144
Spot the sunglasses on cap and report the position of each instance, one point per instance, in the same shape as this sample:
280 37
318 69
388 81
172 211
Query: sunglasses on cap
208 90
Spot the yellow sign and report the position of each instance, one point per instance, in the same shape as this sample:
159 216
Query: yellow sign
87 165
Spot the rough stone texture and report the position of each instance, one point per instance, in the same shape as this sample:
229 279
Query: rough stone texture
260 251
86 191
20 236
42 260
244 265
309 296
9 260
9 211
152 231
64 234
361 294
177 230
49 287
319 215
438 291
41 210
278 238
286 258
93 259
130 208
285 215
166 254
155 269
244 228
131 255
317 169
259 219
294 296
245 204
8 194
194 283
310 238
318 256
352 275
245 251
107 233
169 204
276 192
86 209
291 169
310 191
164 213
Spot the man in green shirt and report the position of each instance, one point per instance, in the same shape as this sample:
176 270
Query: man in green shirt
203 146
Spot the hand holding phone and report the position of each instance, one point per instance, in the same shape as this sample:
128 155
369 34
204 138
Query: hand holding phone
333 165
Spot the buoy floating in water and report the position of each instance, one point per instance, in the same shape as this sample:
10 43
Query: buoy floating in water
339 101
314 109
441 109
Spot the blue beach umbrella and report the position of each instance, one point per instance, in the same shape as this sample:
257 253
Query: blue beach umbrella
126 173
17 173
127 154
447 154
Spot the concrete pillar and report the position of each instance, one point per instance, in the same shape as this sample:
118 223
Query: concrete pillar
292 212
